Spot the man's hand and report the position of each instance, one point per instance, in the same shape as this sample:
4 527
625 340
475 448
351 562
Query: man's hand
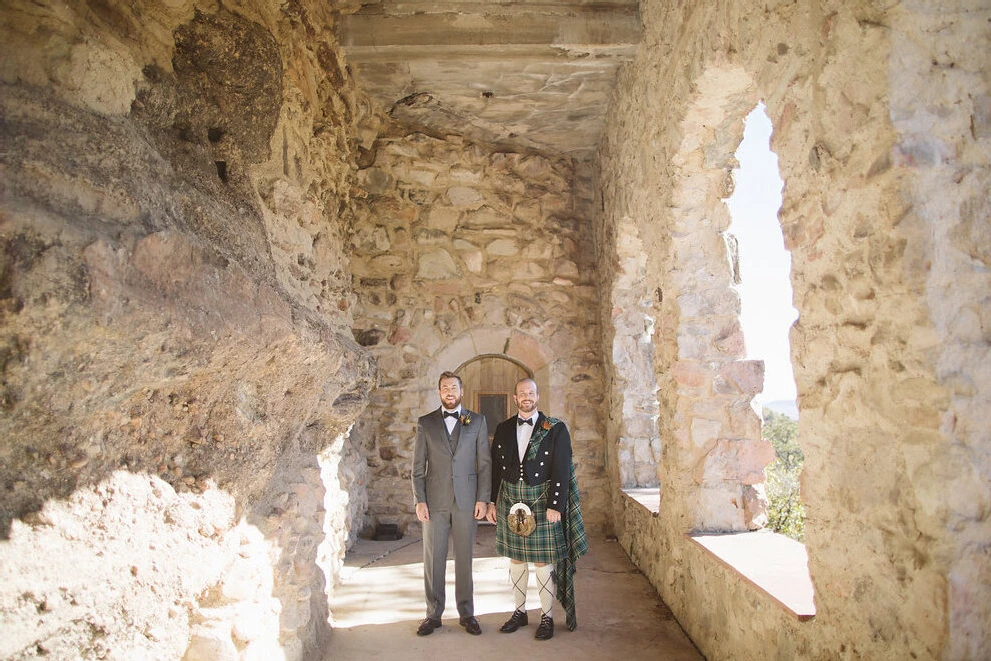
491 514
553 516
422 512
481 509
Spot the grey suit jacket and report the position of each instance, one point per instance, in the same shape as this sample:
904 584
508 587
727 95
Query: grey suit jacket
442 475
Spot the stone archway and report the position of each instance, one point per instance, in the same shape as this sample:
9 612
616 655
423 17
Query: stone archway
386 434
489 385
520 347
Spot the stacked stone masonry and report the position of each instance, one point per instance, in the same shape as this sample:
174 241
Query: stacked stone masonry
460 252
880 214
178 369
230 279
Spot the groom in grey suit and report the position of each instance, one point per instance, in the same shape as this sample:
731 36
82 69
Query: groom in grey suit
452 468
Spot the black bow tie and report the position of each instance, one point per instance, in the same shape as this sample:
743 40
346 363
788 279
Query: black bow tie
521 421
453 414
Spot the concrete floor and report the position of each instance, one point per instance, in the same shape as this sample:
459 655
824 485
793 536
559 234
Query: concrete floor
379 603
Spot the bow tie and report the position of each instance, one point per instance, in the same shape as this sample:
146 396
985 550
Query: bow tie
521 421
453 414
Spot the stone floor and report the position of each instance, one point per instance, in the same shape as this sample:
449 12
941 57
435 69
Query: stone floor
377 606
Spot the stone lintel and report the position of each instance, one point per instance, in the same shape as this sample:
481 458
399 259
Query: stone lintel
487 29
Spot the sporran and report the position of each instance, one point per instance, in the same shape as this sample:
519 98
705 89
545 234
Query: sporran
521 520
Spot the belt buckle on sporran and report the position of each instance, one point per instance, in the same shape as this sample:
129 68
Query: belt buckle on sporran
521 520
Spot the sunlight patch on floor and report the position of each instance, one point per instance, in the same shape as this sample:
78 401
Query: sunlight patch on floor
391 594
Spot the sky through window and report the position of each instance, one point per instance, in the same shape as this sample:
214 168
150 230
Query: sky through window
765 265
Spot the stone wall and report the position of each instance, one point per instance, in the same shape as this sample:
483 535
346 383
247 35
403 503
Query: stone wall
461 252
942 147
628 328
884 159
217 255
179 374
712 455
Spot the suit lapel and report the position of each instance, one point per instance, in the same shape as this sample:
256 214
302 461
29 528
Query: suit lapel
455 435
459 427
439 428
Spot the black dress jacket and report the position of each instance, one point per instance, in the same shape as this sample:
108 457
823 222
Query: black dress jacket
552 462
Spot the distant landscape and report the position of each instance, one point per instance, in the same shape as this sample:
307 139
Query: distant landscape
786 407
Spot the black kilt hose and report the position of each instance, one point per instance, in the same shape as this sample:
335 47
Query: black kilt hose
546 543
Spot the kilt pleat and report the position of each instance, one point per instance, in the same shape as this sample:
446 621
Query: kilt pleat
546 543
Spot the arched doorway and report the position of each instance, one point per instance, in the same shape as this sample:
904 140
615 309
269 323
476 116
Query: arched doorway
489 384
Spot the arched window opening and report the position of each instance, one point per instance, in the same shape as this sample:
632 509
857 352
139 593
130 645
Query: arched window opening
767 314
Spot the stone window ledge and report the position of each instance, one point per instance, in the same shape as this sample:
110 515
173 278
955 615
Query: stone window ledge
772 563
649 497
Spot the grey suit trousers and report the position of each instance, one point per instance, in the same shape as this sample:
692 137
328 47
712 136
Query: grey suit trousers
444 521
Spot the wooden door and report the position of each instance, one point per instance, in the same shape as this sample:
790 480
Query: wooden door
489 384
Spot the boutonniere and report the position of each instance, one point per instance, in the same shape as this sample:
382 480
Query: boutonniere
465 419
546 426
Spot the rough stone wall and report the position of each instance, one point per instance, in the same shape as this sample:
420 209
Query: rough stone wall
942 147
461 252
628 329
712 455
179 375
880 125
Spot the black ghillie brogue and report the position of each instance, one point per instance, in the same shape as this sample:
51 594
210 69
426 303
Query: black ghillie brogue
519 619
545 631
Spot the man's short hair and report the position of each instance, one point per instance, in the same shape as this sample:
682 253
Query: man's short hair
526 380
449 375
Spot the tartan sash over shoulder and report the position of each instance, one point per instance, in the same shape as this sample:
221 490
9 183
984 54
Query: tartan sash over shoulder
538 435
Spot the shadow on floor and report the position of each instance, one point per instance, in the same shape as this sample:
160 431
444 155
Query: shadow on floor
379 602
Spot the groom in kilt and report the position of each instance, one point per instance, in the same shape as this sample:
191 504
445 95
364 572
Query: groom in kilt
536 510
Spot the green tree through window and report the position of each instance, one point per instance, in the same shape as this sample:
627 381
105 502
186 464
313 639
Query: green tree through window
786 514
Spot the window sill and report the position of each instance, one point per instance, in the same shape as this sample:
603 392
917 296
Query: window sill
649 497
774 564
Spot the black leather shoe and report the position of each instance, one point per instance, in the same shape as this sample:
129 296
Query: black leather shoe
427 627
519 619
545 631
471 625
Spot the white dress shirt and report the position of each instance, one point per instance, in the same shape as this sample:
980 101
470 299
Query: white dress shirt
449 422
523 434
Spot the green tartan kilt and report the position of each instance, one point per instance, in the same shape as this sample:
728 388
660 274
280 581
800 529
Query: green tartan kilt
546 543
